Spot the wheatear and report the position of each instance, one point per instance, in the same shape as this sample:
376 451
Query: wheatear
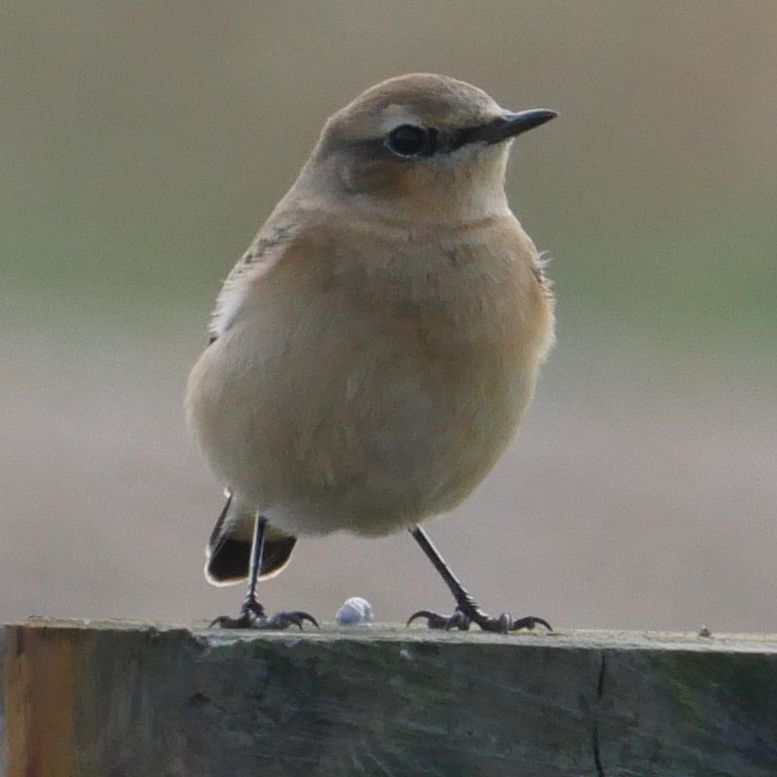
374 350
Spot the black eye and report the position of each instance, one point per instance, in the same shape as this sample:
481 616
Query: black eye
407 140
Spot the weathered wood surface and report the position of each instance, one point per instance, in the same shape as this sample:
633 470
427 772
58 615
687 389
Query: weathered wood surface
120 700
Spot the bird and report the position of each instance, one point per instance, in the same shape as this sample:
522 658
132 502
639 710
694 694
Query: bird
374 350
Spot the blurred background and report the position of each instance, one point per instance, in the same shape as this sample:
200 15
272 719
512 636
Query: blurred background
143 144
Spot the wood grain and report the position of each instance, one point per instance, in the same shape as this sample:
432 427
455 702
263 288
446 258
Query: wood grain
136 699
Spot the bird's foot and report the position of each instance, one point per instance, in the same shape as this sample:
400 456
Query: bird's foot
253 616
465 616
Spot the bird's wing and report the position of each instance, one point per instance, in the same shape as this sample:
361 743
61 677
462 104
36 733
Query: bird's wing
264 253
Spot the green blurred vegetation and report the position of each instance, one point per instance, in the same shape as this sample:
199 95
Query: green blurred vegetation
143 143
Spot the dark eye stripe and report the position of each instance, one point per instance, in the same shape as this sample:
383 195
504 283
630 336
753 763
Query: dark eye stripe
434 136
437 142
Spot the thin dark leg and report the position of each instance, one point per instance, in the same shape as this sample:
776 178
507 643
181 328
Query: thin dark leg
463 599
467 609
252 614
257 551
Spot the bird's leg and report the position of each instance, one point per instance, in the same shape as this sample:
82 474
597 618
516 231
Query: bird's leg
252 614
467 611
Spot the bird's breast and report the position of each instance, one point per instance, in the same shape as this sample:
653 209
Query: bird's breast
459 340
379 385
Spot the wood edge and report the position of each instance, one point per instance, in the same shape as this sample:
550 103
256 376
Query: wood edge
585 639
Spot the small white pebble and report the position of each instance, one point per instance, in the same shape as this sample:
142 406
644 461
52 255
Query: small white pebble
355 612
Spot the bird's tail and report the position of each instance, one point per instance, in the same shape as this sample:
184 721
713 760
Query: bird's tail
229 553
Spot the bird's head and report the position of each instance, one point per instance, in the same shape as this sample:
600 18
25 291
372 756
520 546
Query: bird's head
420 147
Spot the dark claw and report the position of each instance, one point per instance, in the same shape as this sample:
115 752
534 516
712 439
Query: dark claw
282 620
529 622
436 621
225 622
506 623
462 619
253 616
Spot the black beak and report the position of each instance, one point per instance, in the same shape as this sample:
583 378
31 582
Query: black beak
504 127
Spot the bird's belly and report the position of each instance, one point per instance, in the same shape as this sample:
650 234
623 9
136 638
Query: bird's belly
404 445
432 447
336 428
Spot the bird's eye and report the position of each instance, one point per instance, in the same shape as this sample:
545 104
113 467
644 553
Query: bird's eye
408 140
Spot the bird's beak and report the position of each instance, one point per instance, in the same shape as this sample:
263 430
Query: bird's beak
507 126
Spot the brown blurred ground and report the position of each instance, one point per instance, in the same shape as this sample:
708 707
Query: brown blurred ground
142 144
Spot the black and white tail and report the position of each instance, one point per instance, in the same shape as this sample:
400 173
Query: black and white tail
228 557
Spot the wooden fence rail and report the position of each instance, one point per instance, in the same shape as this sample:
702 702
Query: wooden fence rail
88 699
